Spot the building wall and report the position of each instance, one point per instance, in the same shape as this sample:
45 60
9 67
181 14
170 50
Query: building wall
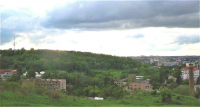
54 84
121 84
134 86
185 73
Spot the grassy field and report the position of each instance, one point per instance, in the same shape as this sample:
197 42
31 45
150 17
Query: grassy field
9 98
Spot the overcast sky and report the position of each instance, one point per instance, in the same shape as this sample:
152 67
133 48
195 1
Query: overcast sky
122 28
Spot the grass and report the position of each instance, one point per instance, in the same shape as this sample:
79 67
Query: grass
9 98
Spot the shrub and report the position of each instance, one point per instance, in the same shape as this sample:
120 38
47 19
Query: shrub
183 90
54 94
40 91
153 92
166 95
13 86
110 98
26 90
178 97
197 94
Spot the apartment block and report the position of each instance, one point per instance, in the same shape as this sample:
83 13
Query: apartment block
50 84
185 73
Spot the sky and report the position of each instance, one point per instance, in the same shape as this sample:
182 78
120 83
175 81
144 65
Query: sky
121 28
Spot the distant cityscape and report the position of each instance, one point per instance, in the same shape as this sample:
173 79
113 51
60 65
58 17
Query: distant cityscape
168 60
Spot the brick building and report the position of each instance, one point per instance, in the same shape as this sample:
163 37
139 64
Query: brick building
50 84
141 85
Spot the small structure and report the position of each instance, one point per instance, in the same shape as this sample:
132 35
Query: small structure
94 98
171 77
164 86
98 98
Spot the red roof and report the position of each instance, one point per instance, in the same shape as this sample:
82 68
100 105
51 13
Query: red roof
10 70
187 68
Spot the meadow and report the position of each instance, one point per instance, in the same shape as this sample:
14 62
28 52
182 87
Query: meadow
139 98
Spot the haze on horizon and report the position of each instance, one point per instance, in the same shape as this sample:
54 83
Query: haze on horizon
122 28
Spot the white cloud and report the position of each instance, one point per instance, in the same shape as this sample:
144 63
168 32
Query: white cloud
157 41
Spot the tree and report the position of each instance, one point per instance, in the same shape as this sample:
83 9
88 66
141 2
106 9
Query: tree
31 73
14 78
186 82
154 81
19 69
173 85
198 80
177 74
166 95
23 70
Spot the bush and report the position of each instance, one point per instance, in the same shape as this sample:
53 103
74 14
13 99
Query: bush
13 86
166 95
41 91
183 90
26 90
178 97
54 94
197 94
110 98
153 92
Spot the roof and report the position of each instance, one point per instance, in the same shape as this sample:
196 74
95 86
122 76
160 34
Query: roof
187 68
7 70
142 82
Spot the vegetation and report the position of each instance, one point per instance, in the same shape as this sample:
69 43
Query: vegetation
90 75
32 96
182 90
166 95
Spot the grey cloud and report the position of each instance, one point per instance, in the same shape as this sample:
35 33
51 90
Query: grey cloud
187 39
17 21
124 15
7 35
136 36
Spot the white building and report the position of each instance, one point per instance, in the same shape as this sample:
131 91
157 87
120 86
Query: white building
185 73
37 75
